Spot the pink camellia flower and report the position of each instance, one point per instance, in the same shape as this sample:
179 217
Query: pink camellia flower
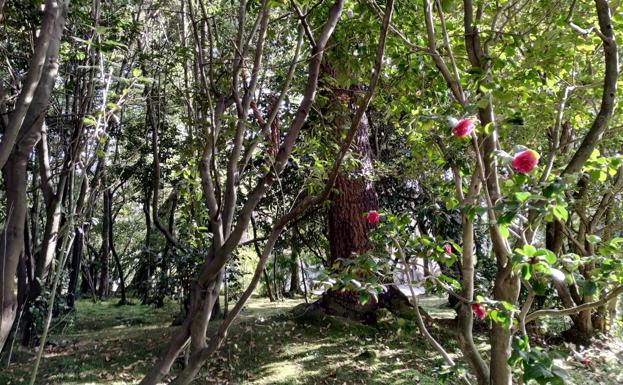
447 248
373 217
479 311
525 161
463 128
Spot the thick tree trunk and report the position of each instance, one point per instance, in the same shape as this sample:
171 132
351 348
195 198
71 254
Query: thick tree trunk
351 199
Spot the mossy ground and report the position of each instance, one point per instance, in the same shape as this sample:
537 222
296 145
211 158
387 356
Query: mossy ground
106 344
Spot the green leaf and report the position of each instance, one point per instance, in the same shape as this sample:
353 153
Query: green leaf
364 297
526 271
504 231
522 196
528 251
594 239
547 255
560 212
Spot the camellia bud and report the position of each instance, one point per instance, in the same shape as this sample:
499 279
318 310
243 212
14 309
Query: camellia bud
525 161
447 248
463 128
479 311
373 217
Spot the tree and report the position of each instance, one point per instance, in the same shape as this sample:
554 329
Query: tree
22 131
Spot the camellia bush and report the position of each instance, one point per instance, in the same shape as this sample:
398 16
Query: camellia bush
528 266
543 204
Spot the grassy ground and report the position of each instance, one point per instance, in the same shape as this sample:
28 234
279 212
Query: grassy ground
106 344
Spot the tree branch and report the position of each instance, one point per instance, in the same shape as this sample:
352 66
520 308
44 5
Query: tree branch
574 310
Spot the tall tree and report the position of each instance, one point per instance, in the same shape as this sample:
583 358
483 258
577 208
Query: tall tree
24 130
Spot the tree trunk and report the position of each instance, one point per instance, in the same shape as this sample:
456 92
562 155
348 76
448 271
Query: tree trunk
74 269
12 241
295 284
465 317
12 237
111 242
506 288
105 251
256 245
351 199
24 270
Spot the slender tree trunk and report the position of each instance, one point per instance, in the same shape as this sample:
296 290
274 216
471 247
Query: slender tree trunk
465 317
295 284
145 278
256 245
24 270
12 242
506 288
277 292
303 276
269 291
75 264
111 242
53 208
105 251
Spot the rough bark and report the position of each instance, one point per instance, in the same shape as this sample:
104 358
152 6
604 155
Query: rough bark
352 198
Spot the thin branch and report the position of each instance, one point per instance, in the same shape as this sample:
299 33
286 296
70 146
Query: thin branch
418 315
608 101
574 310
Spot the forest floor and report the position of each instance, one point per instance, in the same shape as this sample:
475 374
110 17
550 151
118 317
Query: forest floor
106 344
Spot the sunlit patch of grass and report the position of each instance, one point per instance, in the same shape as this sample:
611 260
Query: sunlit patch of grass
107 344
104 344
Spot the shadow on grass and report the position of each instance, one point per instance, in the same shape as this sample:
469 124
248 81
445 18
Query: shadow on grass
282 352
107 344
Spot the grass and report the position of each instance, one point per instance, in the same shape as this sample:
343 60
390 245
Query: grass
106 344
